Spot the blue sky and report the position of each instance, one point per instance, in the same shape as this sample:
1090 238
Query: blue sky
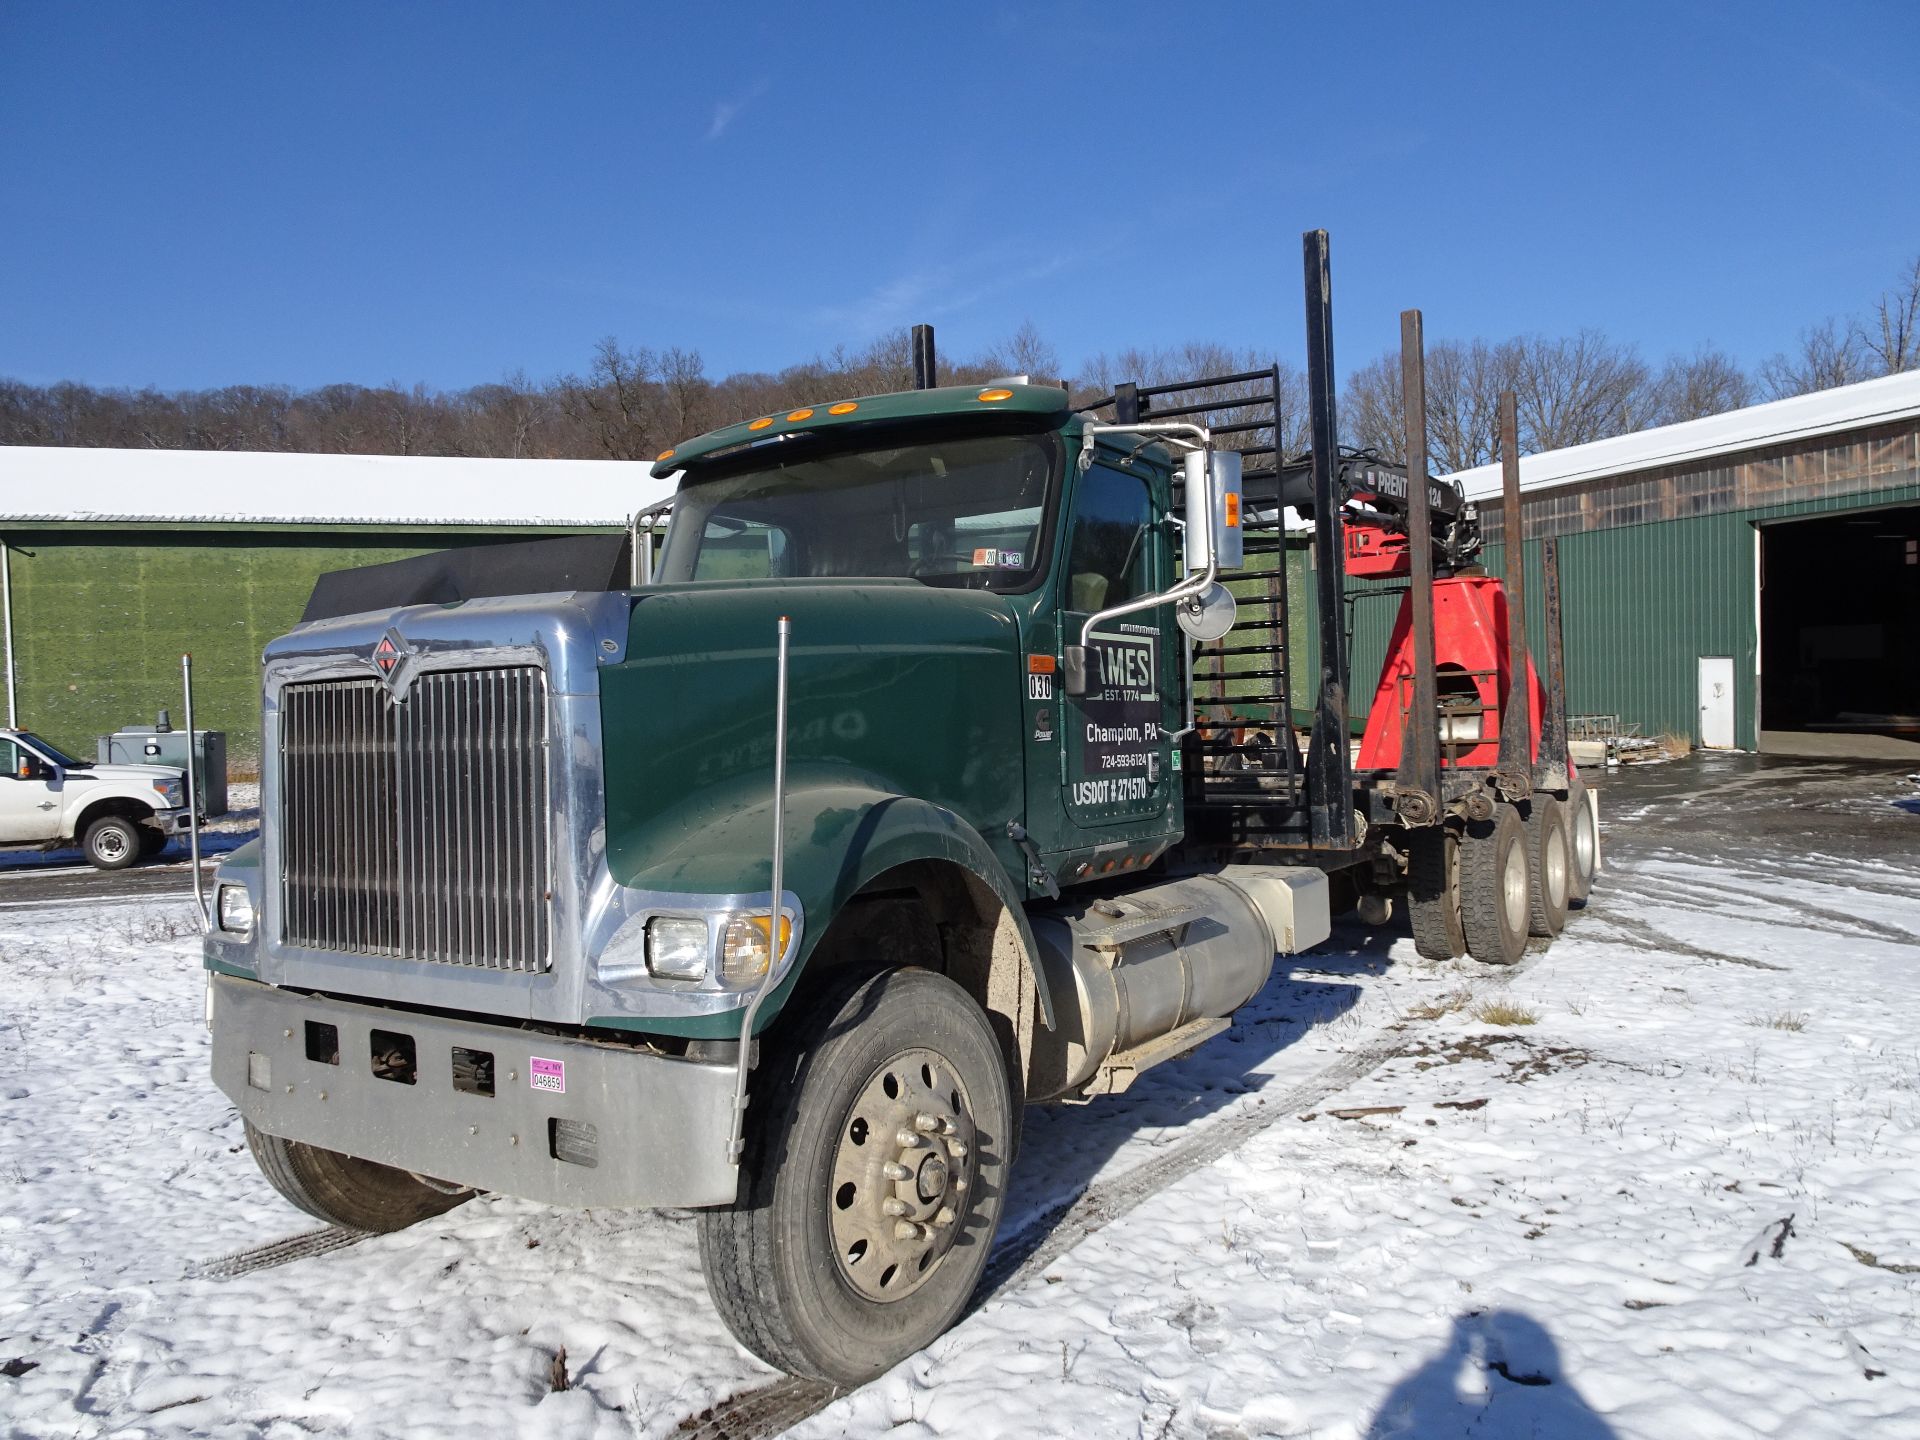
197 195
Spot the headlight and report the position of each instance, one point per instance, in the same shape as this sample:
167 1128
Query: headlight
676 948
233 910
745 953
172 792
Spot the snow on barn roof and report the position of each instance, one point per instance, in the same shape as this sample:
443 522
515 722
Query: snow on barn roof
52 483
1846 407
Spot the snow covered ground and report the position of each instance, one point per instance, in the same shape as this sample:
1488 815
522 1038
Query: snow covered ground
1664 1181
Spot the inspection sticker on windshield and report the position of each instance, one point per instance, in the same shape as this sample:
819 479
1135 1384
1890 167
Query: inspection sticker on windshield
548 1075
986 557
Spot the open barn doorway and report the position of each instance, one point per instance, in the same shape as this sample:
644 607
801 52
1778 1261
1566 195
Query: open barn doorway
1839 634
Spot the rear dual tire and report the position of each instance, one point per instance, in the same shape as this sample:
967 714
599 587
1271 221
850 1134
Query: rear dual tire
1549 867
1583 835
1496 887
1433 893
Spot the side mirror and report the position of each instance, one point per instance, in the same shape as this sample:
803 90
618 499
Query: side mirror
1074 680
1214 531
1209 615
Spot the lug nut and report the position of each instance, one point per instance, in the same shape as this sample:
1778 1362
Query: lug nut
960 1185
894 1170
907 1230
944 1218
958 1148
893 1205
908 1140
926 1124
947 1127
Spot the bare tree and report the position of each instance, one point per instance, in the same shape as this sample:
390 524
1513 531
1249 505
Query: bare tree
1464 381
1025 352
1891 334
1690 387
1829 355
1573 390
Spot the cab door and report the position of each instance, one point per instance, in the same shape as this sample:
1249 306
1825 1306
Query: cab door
1117 754
29 805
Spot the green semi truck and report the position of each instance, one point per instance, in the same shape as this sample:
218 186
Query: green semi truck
779 884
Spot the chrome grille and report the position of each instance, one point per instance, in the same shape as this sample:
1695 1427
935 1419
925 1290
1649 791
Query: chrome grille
417 828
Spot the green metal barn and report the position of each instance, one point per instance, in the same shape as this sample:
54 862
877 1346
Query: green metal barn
116 561
1749 581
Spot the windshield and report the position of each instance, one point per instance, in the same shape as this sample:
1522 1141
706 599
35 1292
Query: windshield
65 762
961 513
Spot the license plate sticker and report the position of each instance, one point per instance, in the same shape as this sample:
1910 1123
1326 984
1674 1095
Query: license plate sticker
548 1075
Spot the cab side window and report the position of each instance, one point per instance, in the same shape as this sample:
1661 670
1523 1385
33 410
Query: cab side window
9 758
1110 558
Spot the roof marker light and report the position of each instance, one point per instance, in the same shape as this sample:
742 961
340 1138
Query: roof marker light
845 407
800 415
761 423
996 395
664 455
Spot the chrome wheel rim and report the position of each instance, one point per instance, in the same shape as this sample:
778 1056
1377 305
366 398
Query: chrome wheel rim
902 1172
1557 864
1513 887
110 845
1583 838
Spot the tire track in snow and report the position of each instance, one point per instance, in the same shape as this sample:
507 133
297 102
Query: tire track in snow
767 1410
275 1253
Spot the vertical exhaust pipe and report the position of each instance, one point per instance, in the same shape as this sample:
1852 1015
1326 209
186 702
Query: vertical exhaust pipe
193 798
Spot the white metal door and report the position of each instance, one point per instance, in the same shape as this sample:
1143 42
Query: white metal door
1716 702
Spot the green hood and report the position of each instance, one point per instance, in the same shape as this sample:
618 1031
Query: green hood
895 688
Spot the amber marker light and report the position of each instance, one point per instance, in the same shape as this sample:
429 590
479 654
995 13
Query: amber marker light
800 415
996 395
845 407
761 423
664 455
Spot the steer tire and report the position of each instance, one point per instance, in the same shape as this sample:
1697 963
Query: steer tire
838 1089
341 1190
111 843
1583 841
1433 893
1495 886
1549 867
152 841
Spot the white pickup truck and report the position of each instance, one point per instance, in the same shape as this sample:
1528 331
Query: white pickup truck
117 813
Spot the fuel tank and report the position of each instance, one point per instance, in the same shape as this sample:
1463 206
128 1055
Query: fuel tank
1147 974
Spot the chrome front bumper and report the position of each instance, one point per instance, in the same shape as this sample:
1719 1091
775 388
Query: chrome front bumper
636 1129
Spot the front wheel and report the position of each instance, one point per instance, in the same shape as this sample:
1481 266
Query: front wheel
111 843
344 1191
874 1174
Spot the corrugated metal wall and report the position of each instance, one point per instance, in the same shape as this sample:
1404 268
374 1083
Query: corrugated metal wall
102 614
1642 604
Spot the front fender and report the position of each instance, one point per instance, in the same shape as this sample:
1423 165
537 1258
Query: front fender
841 832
